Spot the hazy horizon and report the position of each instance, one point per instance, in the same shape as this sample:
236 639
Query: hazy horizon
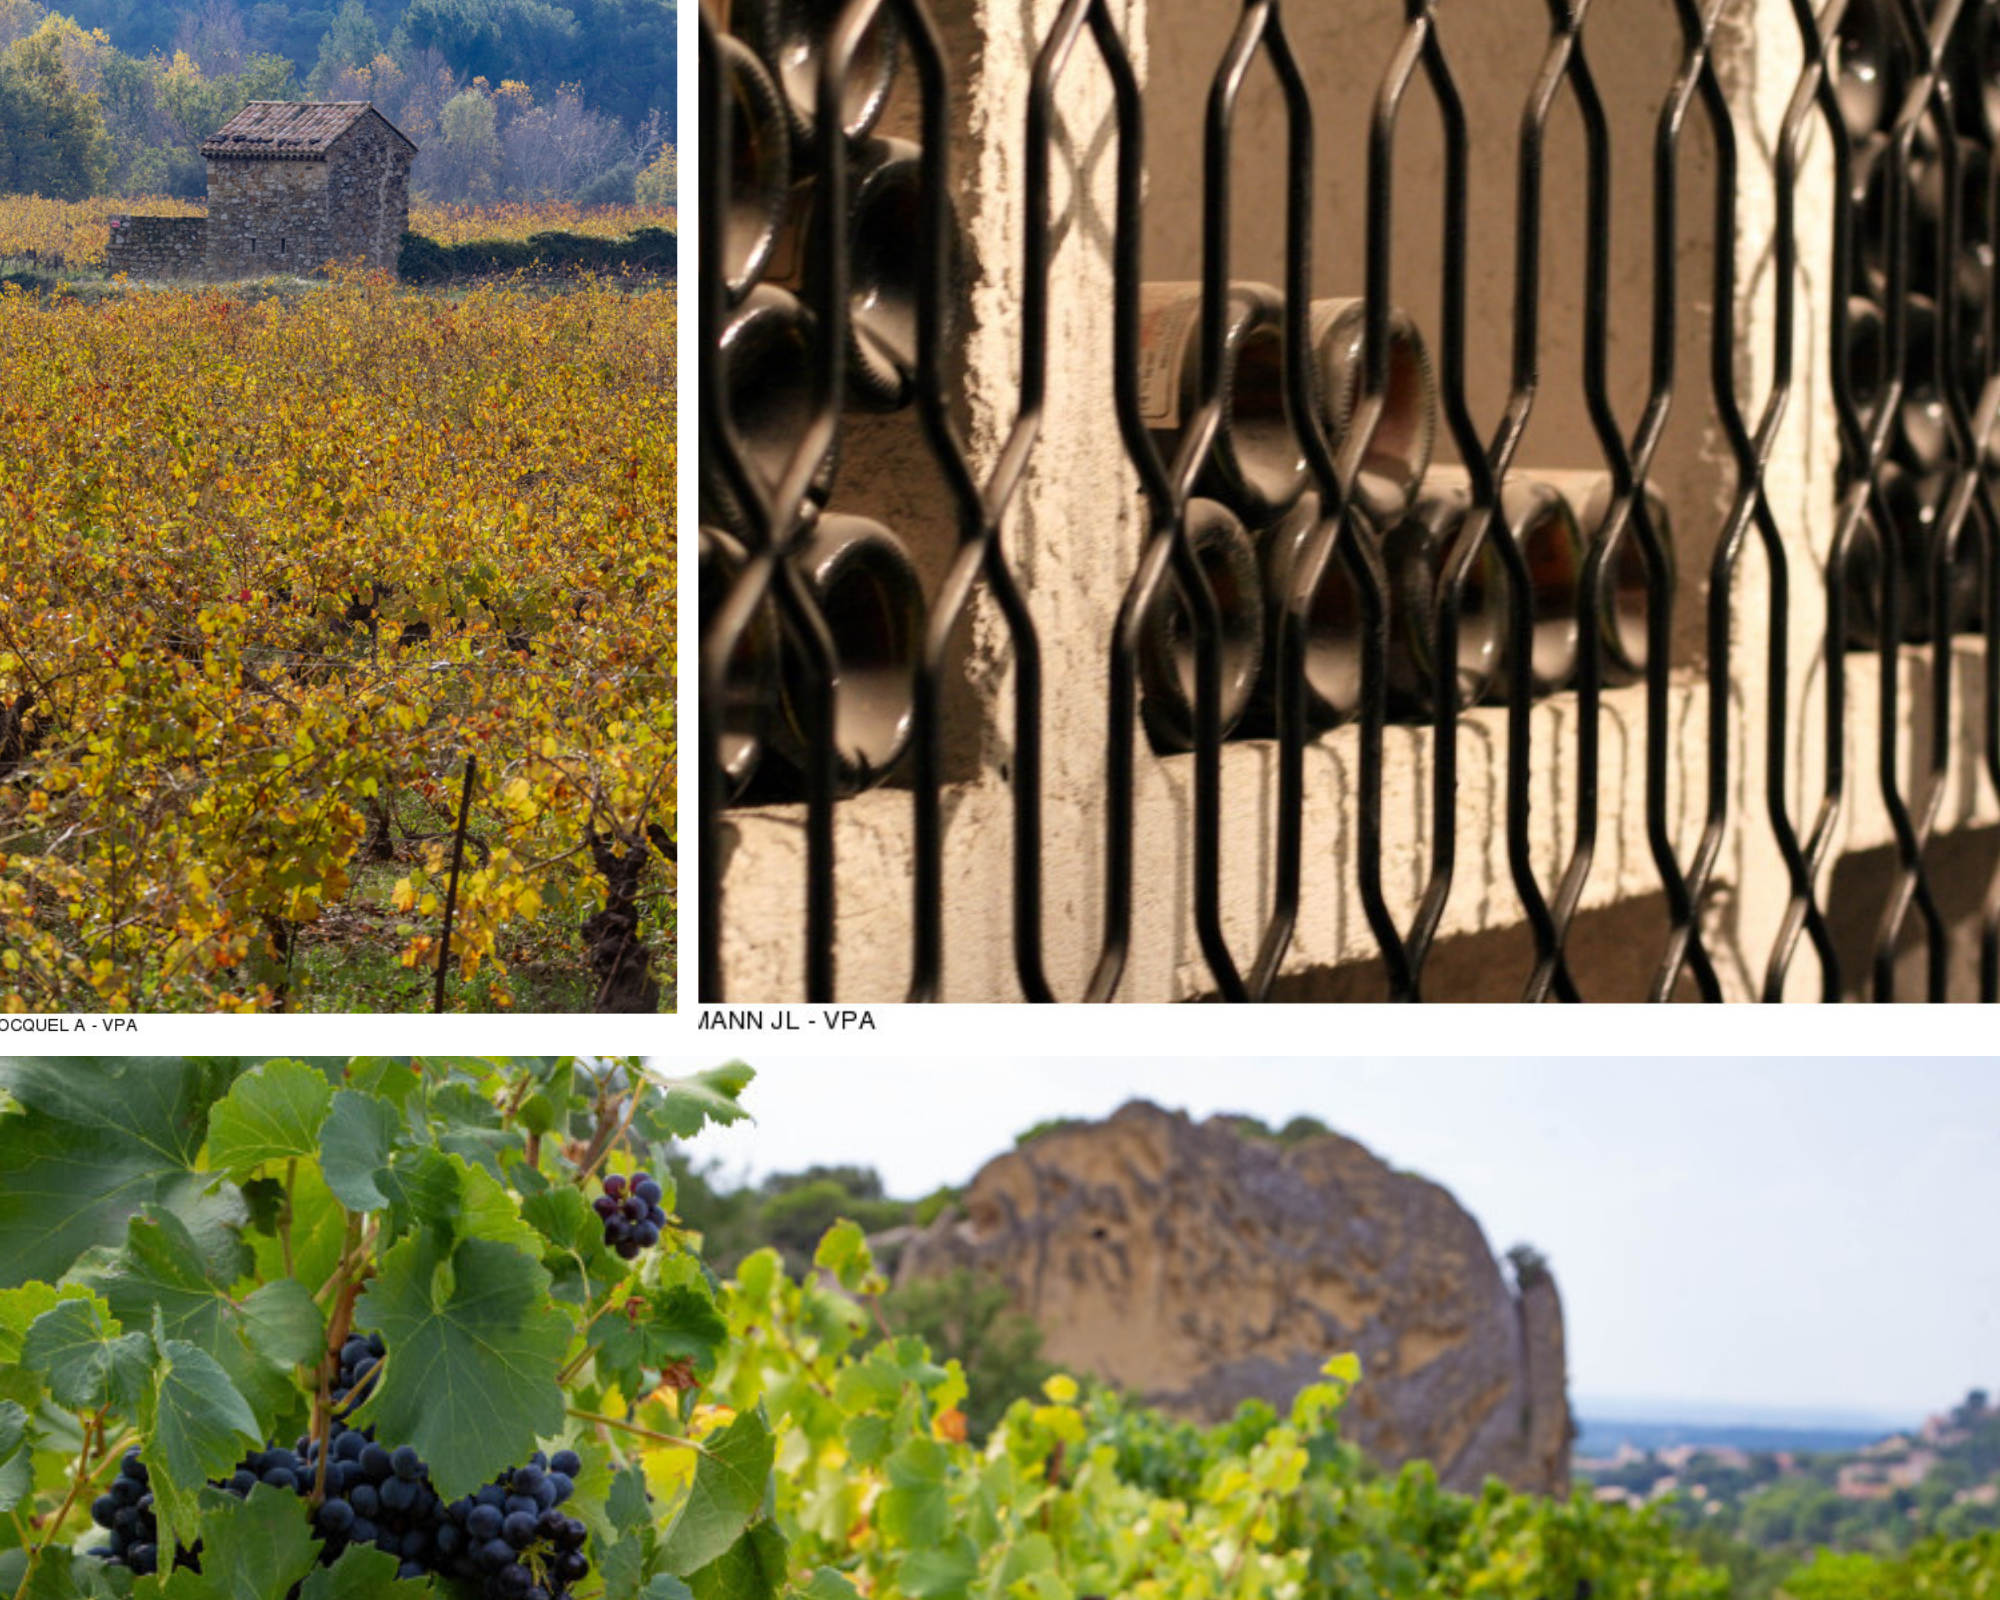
1712 1253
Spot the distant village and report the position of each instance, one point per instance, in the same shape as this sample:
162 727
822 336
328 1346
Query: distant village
1952 1445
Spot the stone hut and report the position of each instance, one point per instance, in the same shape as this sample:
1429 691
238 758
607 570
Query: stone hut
291 186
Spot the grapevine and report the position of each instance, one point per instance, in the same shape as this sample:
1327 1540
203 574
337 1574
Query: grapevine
359 1331
278 572
356 1324
76 232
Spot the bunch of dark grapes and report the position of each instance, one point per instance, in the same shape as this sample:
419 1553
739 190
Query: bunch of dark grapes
511 1537
126 1507
359 1357
514 1535
631 1212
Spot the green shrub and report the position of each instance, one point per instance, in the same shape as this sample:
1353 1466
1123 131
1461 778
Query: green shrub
424 260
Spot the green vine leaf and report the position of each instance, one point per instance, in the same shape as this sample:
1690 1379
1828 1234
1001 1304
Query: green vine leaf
731 1478
358 1137
687 1105
274 1112
17 1467
672 1324
362 1573
90 1143
253 1549
19 1309
753 1568
196 1426
162 1271
916 1510
471 1378
88 1360
282 1323
573 1247
827 1584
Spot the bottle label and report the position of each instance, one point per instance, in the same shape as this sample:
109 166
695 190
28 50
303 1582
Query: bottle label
1169 317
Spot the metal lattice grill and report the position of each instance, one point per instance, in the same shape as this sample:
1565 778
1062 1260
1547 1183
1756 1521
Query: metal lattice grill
1590 574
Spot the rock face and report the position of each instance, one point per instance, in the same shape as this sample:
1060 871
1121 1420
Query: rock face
1197 1266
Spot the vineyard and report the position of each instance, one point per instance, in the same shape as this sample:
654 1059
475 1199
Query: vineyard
73 231
76 231
460 224
386 1328
308 597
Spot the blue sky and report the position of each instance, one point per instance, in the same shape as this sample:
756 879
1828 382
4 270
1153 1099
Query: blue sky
1730 1235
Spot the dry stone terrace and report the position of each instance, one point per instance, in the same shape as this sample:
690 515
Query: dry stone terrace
292 186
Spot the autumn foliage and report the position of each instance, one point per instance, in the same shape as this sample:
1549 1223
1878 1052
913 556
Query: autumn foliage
274 570
78 230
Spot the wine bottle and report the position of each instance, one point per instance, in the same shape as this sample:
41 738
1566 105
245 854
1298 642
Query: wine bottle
767 355
868 591
1333 623
1971 343
1924 199
1922 438
1167 652
792 35
1867 353
1540 521
1254 465
1915 505
1621 611
1975 180
751 685
1399 452
1866 80
1416 552
1973 63
885 255
759 165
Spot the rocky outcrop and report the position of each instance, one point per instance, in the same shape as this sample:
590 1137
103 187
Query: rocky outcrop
1198 1266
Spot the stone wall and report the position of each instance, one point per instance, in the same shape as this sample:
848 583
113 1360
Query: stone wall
1197 1267
266 216
157 247
368 194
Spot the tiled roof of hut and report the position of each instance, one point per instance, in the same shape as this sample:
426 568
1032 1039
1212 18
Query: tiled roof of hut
289 130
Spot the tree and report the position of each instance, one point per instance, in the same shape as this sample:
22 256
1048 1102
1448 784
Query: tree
195 105
1530 1265
656 184
462 161
352 41
494 39
553 149
971 1317
52 138
18 19
215 36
